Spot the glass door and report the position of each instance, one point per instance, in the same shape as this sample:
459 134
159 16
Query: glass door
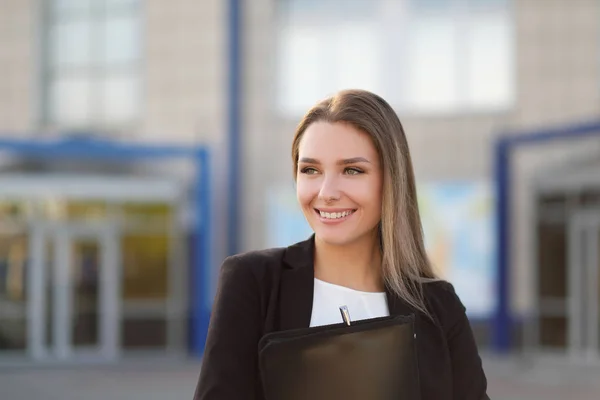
76 291
584 286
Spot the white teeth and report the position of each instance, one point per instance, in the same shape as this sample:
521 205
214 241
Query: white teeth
335 215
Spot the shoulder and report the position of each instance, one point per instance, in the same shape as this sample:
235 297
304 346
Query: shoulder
253 263
248 275
269 262
443 302
439 289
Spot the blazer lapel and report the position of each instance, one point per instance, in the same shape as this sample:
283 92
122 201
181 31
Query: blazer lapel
397 306
297 286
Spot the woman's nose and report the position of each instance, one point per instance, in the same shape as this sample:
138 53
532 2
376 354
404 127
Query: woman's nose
329 191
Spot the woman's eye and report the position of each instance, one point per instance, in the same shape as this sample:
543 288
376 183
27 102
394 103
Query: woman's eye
353 171
308 171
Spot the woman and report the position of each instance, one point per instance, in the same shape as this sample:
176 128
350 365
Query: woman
356 187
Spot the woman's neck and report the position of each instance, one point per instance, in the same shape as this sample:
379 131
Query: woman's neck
356 265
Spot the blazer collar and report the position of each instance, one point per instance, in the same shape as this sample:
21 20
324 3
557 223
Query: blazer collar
297 285
297 288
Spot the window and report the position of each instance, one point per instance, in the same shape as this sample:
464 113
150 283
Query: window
92 63
424 56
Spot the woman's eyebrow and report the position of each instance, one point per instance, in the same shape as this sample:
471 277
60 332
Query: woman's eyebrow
309 160
353 160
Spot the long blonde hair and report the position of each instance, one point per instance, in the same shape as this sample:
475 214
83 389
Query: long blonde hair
405 265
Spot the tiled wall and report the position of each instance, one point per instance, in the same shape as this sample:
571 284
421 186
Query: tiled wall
18 71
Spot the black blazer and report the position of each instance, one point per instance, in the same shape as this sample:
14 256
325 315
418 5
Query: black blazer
271 290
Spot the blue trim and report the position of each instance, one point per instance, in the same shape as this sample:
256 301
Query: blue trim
201 276
501 321
86 148
502 172
586 129
234 118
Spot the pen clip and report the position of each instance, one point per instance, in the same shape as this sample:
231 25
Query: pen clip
345 315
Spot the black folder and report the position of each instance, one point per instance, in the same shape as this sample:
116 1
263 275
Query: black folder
373 359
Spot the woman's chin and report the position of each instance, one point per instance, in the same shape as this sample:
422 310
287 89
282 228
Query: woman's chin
334 238
338 236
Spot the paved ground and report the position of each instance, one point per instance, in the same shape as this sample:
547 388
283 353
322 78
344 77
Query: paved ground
508 380
548 380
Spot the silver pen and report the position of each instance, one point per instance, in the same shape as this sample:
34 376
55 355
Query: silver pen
345 315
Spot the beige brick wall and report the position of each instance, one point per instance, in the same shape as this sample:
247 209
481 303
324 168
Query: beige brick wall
184 70
261 142
185 87
18 71
558 71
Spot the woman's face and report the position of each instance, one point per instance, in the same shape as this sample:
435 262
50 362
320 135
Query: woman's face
339 182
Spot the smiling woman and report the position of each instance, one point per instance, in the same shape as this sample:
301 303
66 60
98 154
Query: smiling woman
354 148
356 187
339 182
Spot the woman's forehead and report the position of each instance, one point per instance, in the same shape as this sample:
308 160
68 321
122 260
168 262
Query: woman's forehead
336 140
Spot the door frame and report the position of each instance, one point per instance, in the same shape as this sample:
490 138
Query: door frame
583 343
61 236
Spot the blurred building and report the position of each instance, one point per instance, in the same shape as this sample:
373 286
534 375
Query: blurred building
460 73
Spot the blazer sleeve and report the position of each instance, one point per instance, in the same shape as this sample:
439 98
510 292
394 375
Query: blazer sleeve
229 363
469 380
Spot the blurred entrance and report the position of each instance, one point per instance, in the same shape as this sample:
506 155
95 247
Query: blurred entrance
566 317
92 268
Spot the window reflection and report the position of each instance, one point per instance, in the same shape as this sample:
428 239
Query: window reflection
13 263
121 96
71 100
424 56
74 211
145 266
71 43
92 67
121 39
85 275
14 244
67 7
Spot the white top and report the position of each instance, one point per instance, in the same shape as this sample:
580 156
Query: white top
328 298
